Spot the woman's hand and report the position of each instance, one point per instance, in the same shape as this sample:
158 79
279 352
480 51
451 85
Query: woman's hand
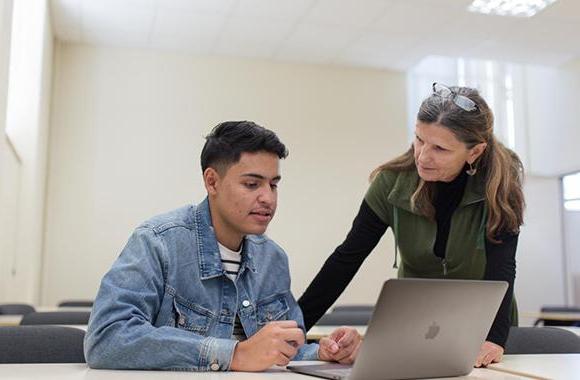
489 353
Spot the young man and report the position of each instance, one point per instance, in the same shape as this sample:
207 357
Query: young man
201 288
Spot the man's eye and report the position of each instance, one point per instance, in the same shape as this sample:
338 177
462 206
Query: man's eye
251 185
274 185
440 148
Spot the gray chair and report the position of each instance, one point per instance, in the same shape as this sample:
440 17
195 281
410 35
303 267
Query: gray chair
361 308
76 303
348 318
56 318
16 309
542 340
41 344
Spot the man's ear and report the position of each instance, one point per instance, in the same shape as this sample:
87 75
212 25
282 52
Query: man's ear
475 152
210 179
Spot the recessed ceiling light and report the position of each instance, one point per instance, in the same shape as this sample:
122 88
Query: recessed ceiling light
517 8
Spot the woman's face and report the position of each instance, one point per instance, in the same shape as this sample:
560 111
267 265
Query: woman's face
439 155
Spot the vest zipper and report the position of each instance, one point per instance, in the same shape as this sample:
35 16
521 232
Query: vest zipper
444 264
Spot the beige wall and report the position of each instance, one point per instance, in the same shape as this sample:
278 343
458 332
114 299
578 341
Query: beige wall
23 159
540 275
552 102
126 133
8 162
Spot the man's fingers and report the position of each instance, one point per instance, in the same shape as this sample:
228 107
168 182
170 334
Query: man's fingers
284 324
292 335
287 350
329 345
337 333
347 338
282 360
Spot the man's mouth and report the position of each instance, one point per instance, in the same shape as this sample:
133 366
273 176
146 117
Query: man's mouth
264 213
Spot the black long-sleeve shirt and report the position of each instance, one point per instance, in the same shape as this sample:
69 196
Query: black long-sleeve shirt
366 231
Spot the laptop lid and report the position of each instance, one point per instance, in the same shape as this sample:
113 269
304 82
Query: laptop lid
427 328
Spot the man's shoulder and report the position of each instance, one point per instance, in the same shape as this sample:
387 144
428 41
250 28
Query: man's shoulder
180 217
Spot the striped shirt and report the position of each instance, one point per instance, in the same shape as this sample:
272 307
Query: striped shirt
231 263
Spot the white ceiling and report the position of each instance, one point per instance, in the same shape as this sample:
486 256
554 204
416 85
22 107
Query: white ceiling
391 34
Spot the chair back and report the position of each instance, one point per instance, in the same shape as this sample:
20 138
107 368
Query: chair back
76 303
56 318
342 318
542 340
363 308
41 344
16 309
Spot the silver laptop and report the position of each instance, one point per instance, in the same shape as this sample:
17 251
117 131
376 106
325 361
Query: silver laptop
421 328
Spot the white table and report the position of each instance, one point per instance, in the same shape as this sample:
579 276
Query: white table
551 316
82 372
14 320
317 332
10 320
544 366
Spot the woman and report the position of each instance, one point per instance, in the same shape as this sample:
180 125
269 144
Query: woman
454 201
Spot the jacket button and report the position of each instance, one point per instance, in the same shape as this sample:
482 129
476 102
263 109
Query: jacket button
214 366
245 303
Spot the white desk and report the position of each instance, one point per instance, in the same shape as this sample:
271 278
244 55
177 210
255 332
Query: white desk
545 366
10 320
82 372
317 332
552 316
14 320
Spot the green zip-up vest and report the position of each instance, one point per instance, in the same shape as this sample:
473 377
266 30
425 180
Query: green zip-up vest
389 196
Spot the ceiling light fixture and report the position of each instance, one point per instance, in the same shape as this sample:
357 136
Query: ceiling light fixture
516 8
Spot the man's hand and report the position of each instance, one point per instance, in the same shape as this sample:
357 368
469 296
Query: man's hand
489 353
341 346
276 343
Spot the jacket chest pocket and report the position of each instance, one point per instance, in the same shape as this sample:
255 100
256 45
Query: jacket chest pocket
272 309
190 317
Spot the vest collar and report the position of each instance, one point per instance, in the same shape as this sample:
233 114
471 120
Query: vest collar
406 184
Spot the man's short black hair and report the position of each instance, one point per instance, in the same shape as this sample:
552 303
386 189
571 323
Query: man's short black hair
228 140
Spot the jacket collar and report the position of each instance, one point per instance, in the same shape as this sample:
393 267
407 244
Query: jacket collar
406 184
210 264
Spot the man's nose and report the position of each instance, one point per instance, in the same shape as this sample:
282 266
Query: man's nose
267 195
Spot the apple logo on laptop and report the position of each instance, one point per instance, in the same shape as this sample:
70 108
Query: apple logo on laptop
432 331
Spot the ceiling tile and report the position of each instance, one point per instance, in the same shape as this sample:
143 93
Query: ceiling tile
274 9
371 33
323 38
186 28
346 12
255 30
114 18
218 6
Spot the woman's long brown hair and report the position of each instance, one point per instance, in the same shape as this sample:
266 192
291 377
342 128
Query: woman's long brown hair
501 167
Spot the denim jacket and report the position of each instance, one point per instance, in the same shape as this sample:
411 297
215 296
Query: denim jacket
167 303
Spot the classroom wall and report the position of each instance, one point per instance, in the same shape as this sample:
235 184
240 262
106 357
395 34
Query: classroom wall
572 246
552 99
25 103
540 272
7 158
127 129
